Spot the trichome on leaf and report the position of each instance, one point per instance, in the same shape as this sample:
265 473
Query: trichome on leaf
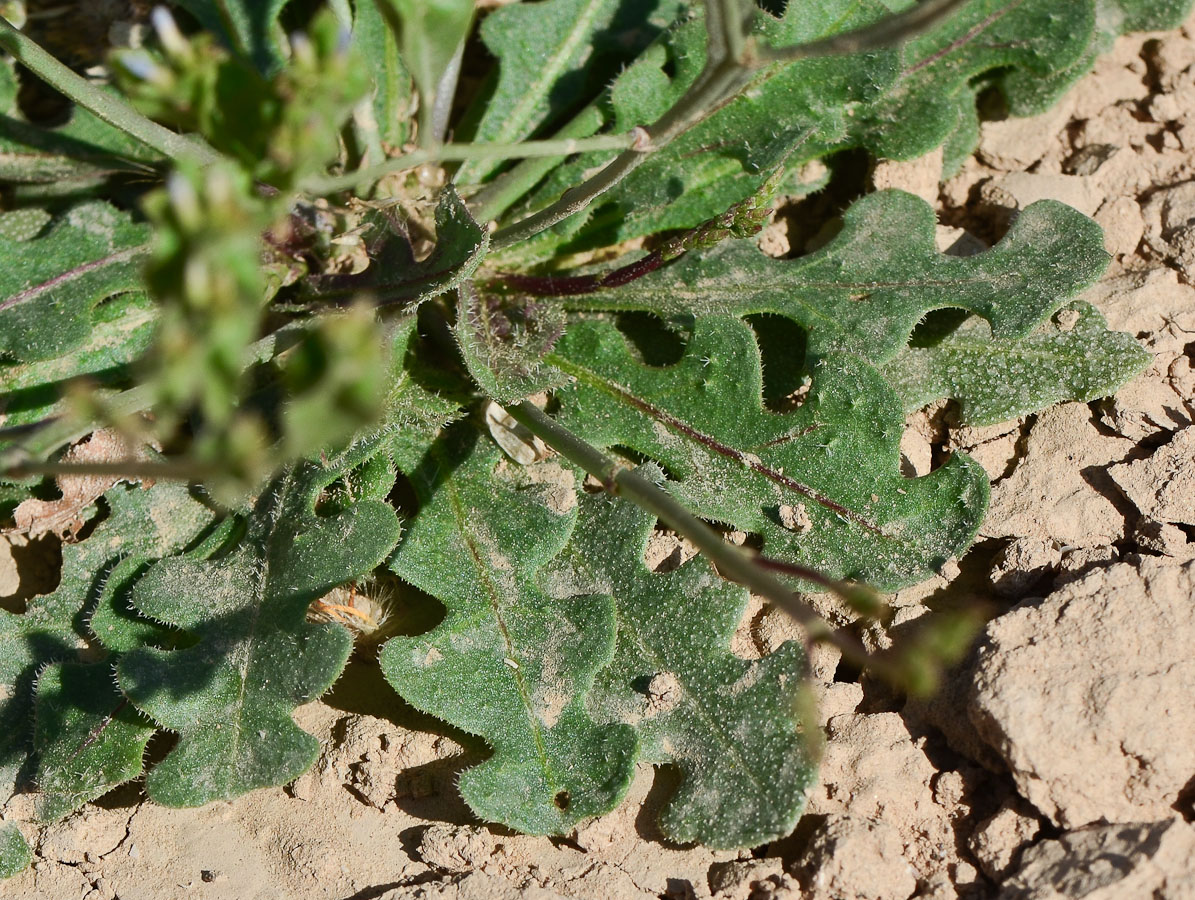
307 302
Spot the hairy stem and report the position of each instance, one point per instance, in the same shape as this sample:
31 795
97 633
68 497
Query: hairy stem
113 110
735 563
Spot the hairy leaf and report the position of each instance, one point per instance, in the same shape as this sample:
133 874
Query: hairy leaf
142 523
550 54
121 330
509 662
71 157
895 103
51 284
820 484
503 345
230 694
15 855
1071 357
865 291
727 723
87 736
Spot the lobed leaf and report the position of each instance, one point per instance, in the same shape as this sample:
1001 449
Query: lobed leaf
895 103
509 662
15 855
51 284
1071 357
142 524
87 737
729 724
864 292
254 656
820 484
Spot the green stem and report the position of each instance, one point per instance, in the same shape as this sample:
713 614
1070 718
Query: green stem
330 184
500 194
883 34
108 107
734 563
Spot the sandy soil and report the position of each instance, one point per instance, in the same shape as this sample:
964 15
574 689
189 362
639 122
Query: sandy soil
1059 762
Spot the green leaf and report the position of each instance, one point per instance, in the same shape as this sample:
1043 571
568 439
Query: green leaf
509 662
1071 357
411 405
72 156
15 855
142 524
393 88
255 657
121 331
864 292
49 629
50 285
547 54
503 345
431 33
894 103
115 622
727 723
250 27
820 484
87 736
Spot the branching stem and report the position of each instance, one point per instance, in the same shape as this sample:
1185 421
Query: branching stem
464 152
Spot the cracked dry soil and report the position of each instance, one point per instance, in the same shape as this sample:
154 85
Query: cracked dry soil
1059 760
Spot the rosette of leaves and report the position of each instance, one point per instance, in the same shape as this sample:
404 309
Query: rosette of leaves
282 299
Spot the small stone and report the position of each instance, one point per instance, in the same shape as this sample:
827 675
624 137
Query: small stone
1023 563
1123 225
744 879
999 839
1020 189
1109 862
1086 695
